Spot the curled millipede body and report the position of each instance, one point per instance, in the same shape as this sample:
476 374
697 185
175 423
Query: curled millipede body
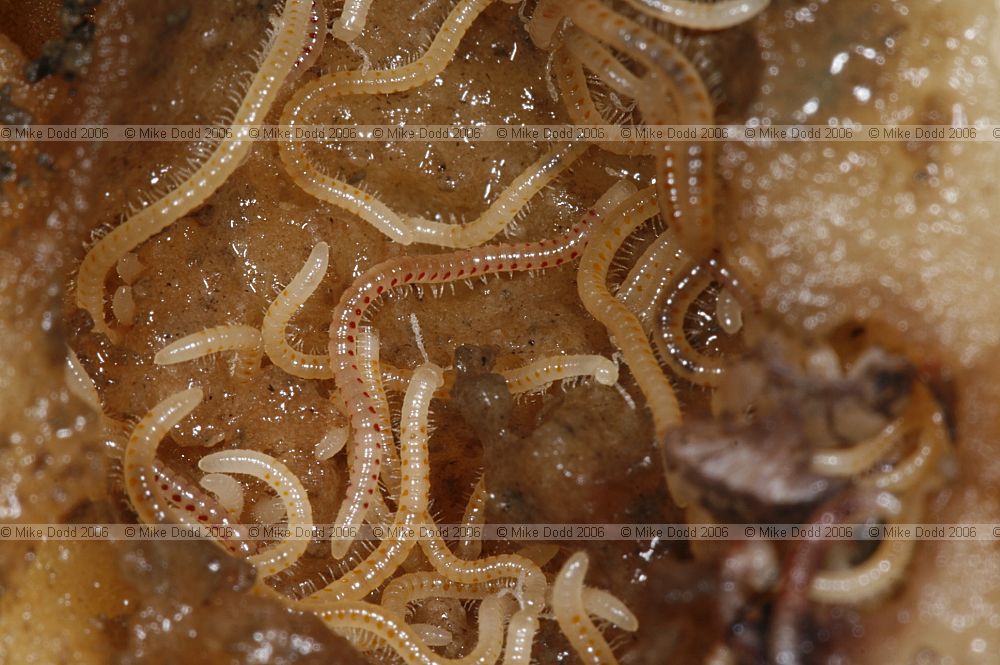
610 608
280 311
226 489
877 574
792 601
308 97
388 628
160 214
182 501
371 373
644 286
622 325
702 15
187 504
545 21
372 431
288 488
567 604
678 352
502 210
598 59
685 185
580 105
860 457
531 584
312 47
909 472
414 587
413 498
140 453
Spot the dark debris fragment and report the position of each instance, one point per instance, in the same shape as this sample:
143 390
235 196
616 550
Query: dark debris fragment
11 114
753 462
8 169
69 55
749 472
